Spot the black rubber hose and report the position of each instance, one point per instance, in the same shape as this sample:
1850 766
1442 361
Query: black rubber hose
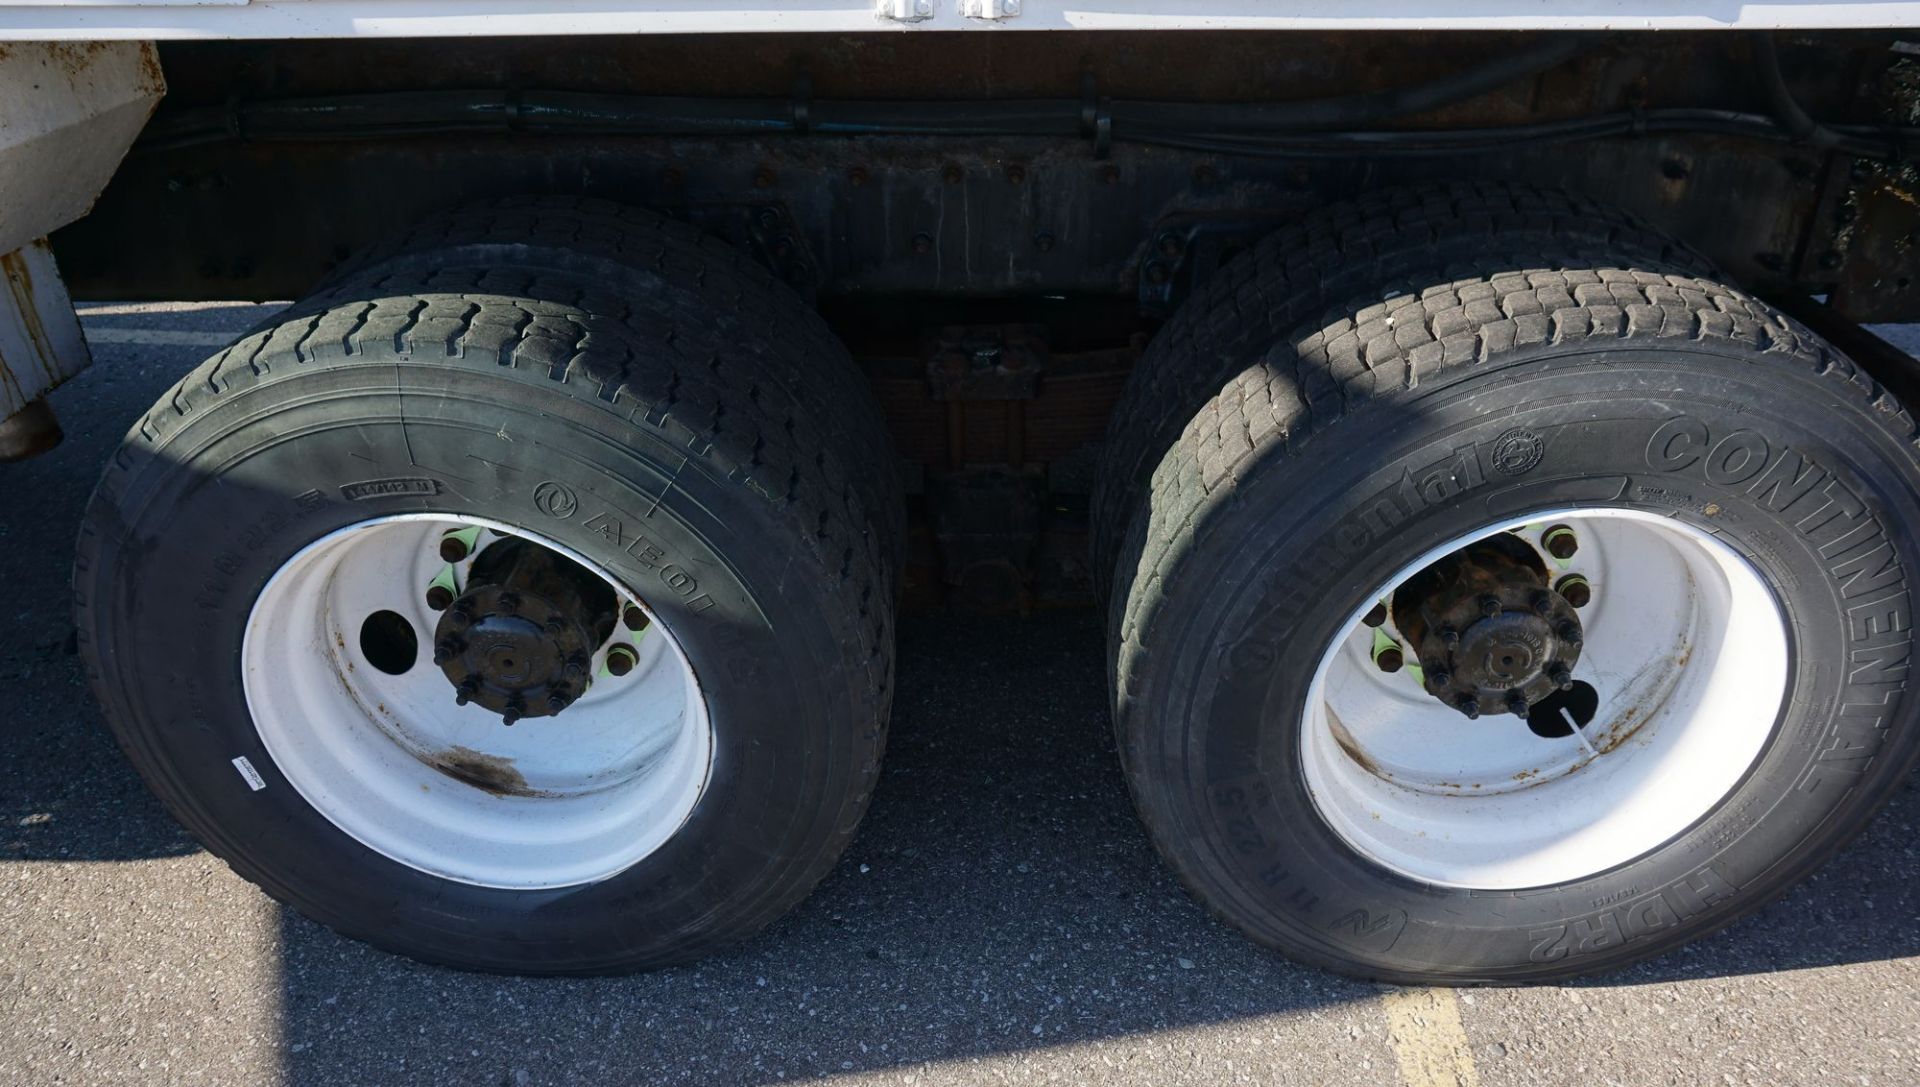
1786 109
1356 109
402 113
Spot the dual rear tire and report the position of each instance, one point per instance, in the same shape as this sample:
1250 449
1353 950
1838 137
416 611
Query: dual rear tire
640 408
1388 386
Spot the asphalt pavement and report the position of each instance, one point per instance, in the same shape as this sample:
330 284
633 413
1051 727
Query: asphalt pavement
1001 918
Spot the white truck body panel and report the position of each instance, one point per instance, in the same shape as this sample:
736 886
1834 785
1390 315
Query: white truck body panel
172 19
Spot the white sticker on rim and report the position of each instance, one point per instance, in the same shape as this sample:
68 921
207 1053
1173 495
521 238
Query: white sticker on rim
254 780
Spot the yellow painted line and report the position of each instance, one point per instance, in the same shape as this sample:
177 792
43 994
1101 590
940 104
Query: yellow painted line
1428 1040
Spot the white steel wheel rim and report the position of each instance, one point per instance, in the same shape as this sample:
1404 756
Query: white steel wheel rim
1687 651
393 762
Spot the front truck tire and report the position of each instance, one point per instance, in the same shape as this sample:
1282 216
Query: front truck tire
602 472
1372 516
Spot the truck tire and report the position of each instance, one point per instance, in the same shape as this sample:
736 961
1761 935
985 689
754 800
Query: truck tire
520 607
1413 235
1370 529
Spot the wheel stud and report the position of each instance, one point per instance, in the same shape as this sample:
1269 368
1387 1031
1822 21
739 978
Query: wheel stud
634 617
1389 657
556 702
1561 675
1516 703
1577 590
464 693
621 659
1490 606
439 597
516 709
1569 632
1470 706
1560 542
1376 616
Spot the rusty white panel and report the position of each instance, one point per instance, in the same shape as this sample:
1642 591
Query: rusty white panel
40 341
143 19
68 112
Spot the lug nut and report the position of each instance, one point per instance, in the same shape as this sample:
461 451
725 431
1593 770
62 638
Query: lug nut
1561 675
1577 590
1470 706
453 548
439 597
1516 703
634 617
621 659
1560 542
1388 657
1490 606
1376 616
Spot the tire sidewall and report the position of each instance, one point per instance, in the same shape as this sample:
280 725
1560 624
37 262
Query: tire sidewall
214 512
1209 709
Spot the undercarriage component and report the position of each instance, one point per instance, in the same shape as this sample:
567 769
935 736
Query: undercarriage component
520 639
1489 632
67 116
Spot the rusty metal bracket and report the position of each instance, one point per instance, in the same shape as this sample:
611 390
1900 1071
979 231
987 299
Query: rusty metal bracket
40 346
1185 252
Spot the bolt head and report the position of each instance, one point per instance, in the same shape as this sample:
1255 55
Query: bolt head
620 660
453 548
509 602
1560 542
1470 706
1490 606
556 702
439 597
1438 679
1449 636
1516 703
460 616
1576 590
1569 632
1542 602
1561 675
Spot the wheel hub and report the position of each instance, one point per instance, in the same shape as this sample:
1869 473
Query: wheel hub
519 641
1489 632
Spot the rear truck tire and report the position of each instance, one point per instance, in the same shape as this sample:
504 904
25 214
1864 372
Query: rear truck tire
521 602
1654 534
